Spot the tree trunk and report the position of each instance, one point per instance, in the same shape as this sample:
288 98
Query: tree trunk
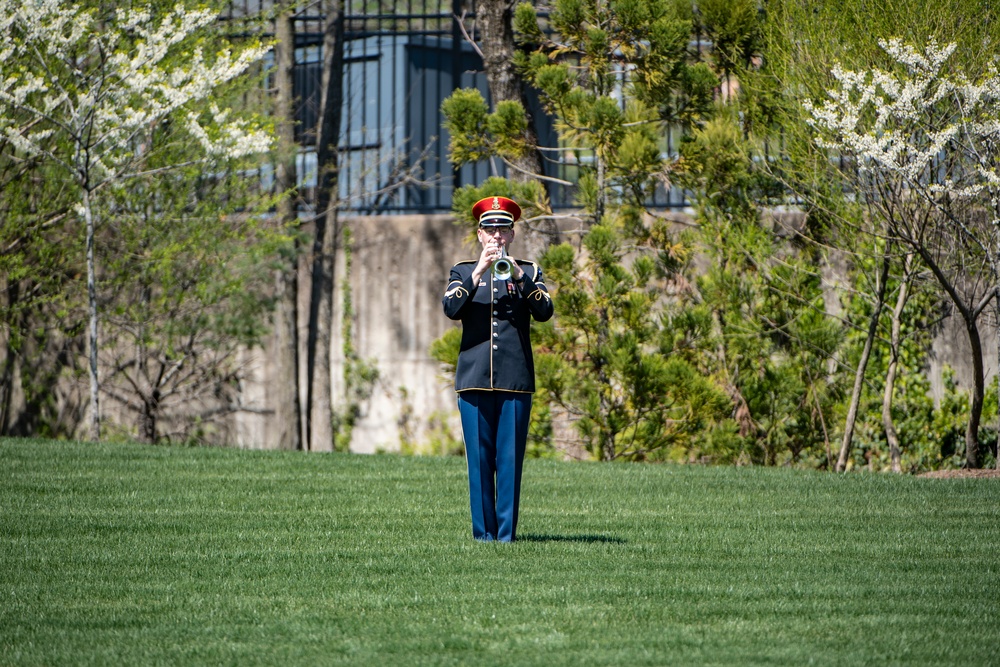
494 25
95 404
970 317
321 336
601 203
146 389
859 375
494 28
890 377
149 411
288 410
995 271
994 259
972 459
320 400
996 306
10 296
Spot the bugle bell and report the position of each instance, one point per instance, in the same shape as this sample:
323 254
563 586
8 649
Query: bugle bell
502 266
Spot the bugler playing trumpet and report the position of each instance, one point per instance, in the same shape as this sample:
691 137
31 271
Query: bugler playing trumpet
495 297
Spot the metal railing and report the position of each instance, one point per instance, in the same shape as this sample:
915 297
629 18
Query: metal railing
401 60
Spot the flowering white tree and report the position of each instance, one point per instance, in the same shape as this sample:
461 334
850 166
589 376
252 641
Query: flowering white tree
85 88
924 142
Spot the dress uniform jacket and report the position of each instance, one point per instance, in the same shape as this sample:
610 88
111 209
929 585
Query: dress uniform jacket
496 319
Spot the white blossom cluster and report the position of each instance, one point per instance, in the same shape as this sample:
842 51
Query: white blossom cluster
227 138
902 123
105 84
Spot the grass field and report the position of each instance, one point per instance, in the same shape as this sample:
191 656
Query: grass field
128 554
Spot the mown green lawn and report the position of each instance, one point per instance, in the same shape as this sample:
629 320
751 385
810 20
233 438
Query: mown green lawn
129 554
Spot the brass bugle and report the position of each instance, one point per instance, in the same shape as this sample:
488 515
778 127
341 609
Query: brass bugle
502 266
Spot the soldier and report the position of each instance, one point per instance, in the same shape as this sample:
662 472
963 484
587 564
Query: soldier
495 377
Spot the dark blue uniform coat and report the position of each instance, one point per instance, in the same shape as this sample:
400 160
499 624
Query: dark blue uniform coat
496 320
495 378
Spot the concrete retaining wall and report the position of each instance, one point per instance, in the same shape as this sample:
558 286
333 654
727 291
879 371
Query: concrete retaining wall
400 267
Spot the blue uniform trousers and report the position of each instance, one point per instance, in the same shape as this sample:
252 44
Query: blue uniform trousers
495 425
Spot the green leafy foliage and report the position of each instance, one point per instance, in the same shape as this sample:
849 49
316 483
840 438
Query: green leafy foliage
652 355
41 296
758 309
186 259
600 363
734 28
466 116
181 242
797 71
616 146
931 428
733 338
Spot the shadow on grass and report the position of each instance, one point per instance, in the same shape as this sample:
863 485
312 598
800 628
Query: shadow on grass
590 539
